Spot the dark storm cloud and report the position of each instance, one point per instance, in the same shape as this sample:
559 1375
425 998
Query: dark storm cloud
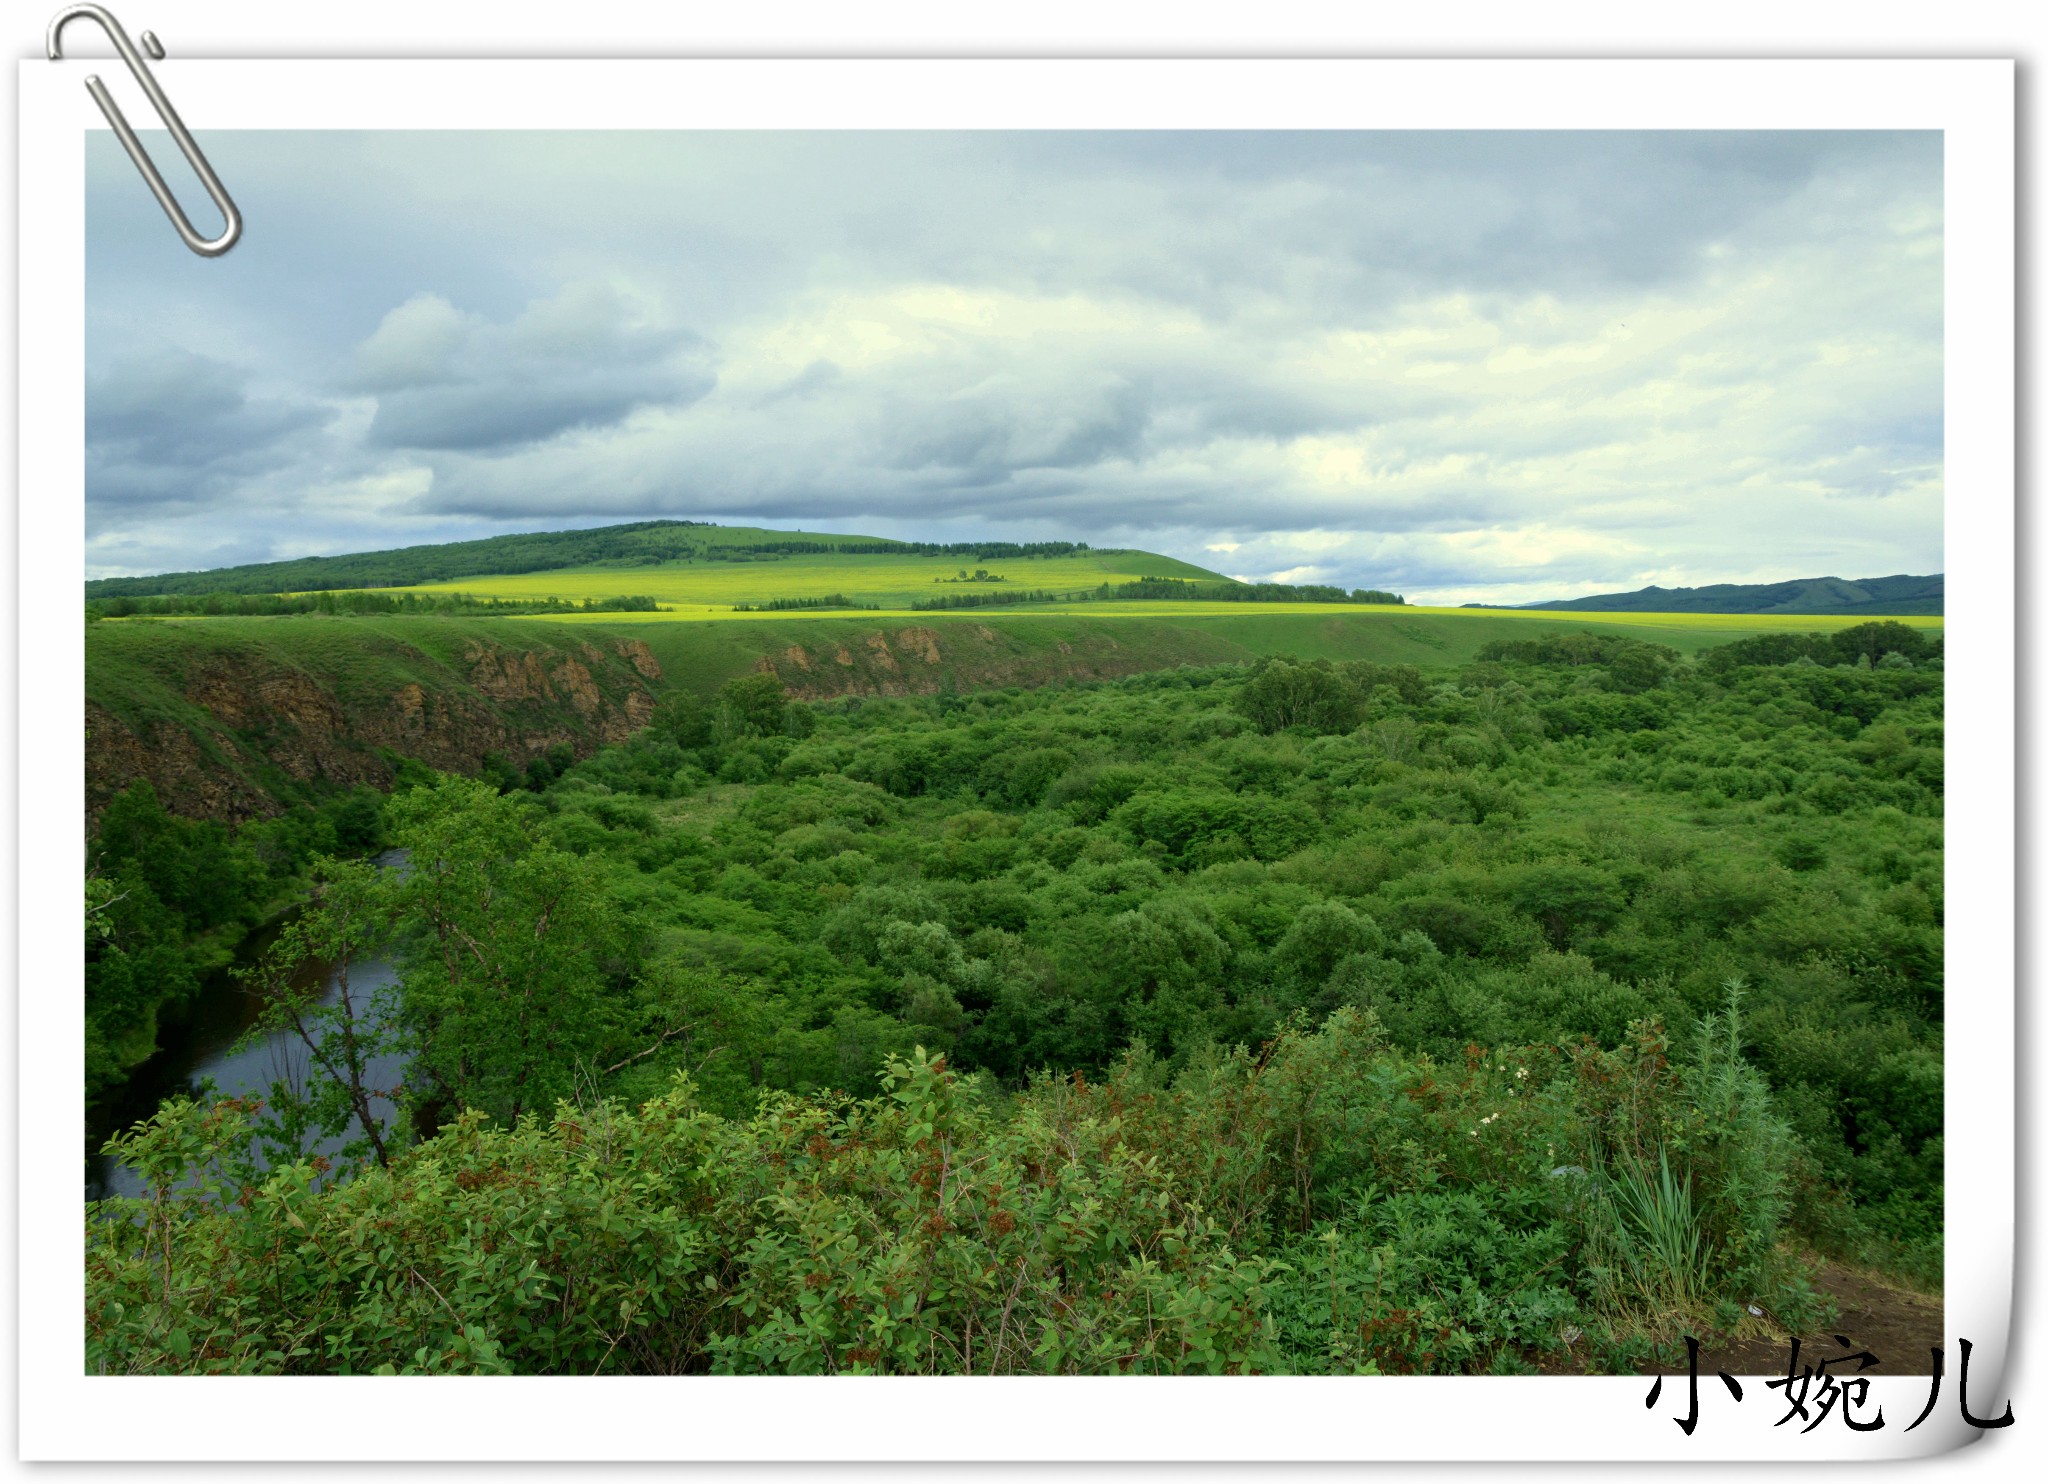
444 379
182 428
494 412
1471 363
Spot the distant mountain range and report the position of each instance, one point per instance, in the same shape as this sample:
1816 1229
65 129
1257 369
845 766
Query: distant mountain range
1888 596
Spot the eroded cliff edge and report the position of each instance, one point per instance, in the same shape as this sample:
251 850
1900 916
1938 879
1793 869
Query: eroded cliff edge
231 718
229 729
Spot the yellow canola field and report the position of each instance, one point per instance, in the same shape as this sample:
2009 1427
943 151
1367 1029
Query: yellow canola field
891 581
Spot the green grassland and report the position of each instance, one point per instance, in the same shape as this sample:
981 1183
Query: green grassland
891 580
1131 637
1460 628
144 664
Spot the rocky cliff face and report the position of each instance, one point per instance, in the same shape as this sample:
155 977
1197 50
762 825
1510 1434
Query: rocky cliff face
923 659
254 725
228 719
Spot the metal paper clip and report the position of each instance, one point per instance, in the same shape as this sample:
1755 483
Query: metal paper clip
212 248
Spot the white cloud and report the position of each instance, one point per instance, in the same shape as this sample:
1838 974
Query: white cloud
1493 366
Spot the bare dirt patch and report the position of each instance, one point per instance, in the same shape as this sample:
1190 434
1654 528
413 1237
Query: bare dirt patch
1900 1327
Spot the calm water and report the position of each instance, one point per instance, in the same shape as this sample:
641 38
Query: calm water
202 1044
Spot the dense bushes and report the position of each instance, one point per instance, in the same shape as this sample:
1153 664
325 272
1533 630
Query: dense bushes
1864 645
1332 1205
1320 697
1407 957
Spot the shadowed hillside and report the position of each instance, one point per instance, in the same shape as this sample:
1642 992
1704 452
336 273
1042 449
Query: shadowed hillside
1889 596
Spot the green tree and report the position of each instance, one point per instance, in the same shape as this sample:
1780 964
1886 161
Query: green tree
192 866
1565 897
1281 694
1162 968
1324 935
1867 643
136 963
511 942
1640 667
752 706
682 718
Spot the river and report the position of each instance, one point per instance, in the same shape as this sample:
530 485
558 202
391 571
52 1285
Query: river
200 1042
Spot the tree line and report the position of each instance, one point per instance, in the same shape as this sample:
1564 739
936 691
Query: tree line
348 603
1184 589
789 605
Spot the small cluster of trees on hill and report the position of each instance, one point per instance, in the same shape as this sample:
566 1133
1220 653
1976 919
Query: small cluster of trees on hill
1188 590
982 600
1895 645
790 605
989 551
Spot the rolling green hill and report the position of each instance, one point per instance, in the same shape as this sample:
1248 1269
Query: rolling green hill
643 546
1891 597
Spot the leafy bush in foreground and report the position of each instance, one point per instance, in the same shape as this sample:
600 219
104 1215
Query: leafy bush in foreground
1329 1205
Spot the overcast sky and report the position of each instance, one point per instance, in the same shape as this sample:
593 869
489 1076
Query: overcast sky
1495 367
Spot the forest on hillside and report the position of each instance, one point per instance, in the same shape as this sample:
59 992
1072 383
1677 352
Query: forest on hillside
1898 595
1298 1018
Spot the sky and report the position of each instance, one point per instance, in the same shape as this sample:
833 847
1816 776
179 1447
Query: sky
1484 367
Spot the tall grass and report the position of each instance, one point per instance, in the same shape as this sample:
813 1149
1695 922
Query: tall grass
1741 1149
1657 1233
1685 1214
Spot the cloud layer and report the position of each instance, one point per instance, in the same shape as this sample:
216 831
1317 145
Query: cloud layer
1498 367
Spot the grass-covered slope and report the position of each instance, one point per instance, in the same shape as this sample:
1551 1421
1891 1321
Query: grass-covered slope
228 717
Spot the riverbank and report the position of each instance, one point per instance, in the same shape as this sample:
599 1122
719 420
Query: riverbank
205 1041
